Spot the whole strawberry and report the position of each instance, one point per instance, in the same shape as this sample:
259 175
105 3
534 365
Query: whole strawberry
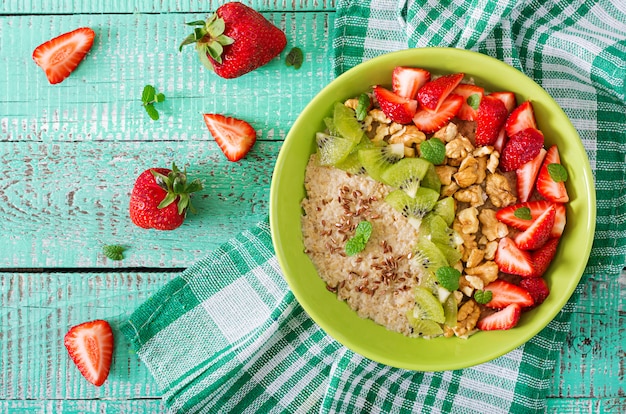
161 197
235 40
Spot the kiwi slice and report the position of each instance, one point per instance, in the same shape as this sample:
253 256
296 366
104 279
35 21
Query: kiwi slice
377 159
431 179
427 306
446 208
352 164
423 327
331 149
344 120
429 256
434 228
406 174
450 310
330 126
414 208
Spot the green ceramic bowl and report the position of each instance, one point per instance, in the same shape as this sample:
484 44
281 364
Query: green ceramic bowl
364 336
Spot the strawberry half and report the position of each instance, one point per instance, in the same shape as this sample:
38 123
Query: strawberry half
507 98
59 57
537 287
90 346
489 121
428 122
397 108
500 141
234 136
550 184
504 319
406 81
432 95
521 118
510 216
472 96
504 293
521 148
543 256
538 233
527 176
512 260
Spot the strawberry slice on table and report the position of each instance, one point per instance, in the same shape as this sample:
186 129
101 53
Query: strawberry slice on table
490 119
520 118
527 176
537 287
507 98
504 293
552 177
59 57
90 345
397 108
504 319
406 81
472 96
543 256
428 122
234 136
538 233
432 95
521 148
511 259
519 218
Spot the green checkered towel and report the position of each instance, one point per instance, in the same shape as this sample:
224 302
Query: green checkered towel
227 335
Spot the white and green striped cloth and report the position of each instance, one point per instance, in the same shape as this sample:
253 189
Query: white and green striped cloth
227 335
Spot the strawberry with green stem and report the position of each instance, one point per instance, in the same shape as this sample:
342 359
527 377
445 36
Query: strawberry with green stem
161 198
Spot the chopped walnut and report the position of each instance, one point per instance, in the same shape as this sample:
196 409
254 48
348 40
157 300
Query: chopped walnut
473 195
482 151
475 282
352 103
458 149
410 136
491 227
467 174
467 317
449 190
490 250
475 257
488 271
382 131
465 286
445 173
482 169
447 133
379 116
494 161
499 190
468 218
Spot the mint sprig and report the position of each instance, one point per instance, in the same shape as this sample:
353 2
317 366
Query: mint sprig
483 296
294 58
557 172
433 150
523 213
361 236
149 97
113 251
448 278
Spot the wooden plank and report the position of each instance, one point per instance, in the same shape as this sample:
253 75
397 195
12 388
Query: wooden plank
36 310
101 100
151 6
615 405
149 406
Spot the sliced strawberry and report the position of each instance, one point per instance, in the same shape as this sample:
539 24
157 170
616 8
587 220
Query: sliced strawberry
432 95
429 122
472 96
521 148
490 119
506 318
546 185
538 233
234 136
507 98
504 293
527 176
543 257
521 118
500 141
511 217
90 346
512 260
397 108
406 81
59 57
537 287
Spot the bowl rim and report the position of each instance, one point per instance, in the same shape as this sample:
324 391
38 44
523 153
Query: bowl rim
290 141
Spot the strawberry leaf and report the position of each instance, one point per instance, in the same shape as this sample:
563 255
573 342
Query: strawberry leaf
196 23
557 172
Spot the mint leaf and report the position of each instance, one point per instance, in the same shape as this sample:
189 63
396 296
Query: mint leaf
113 251
363 106
148 94
523 213
557 172
483 296
448 277
361 236
160 97
149 97
152 112
294 58
433 150
473 101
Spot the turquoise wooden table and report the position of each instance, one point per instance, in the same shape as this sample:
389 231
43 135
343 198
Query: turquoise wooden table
70 154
